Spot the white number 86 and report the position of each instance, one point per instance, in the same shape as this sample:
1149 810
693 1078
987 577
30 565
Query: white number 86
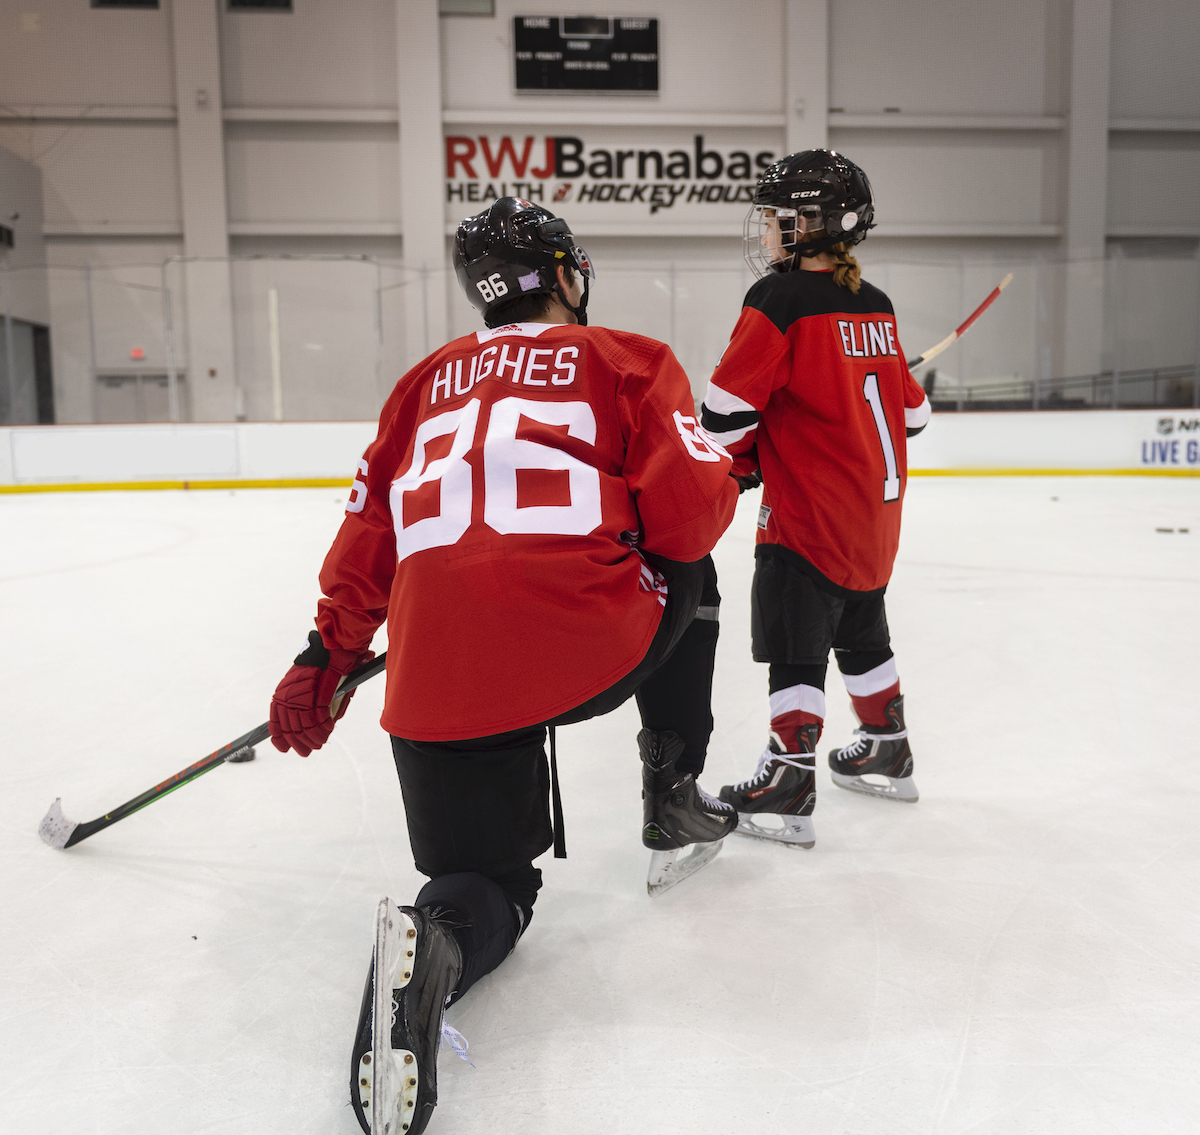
493 287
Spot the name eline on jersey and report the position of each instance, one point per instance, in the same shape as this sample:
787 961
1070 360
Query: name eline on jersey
876 338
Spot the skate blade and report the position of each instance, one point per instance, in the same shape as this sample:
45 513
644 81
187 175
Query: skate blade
392 1072
900 788
55 829
667 869
796 831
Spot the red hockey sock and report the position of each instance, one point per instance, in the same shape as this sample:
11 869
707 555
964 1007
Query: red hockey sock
871 692
793 708
871 709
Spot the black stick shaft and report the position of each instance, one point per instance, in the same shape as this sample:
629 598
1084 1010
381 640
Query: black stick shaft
185 776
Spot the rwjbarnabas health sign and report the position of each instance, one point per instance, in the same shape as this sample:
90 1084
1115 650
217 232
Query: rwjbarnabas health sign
611 174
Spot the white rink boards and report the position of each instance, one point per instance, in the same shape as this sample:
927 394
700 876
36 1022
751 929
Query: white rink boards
1016 953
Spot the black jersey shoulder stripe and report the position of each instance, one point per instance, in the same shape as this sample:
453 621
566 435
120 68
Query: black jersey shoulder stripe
723 423
783 299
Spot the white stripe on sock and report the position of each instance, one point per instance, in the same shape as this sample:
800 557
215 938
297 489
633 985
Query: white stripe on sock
807 699
864 685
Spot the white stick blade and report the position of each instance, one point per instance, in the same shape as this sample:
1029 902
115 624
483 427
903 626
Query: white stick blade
55 829
667 869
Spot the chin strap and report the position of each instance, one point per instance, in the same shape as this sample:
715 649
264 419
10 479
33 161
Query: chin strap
814 248
579 312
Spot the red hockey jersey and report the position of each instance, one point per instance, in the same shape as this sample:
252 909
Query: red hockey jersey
496 517
813 388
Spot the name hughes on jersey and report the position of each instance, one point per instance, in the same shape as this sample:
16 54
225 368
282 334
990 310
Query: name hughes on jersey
529 366
866 339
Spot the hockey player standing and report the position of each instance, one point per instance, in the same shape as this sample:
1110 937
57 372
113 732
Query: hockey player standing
533 521
813 391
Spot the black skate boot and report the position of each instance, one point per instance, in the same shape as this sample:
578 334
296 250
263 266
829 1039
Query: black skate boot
676 812
393 1071
784 786
881 752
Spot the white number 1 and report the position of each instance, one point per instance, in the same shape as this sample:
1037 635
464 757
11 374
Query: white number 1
891 479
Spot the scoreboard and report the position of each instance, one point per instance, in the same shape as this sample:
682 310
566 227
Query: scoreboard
586 53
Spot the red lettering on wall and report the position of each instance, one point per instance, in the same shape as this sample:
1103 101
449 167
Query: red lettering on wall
506 147
548 169
460 151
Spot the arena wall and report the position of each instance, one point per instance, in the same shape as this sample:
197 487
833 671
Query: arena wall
313 454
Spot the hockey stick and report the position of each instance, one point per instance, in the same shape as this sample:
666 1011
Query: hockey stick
59 832
963 327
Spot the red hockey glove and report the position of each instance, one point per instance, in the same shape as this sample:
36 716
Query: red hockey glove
302 715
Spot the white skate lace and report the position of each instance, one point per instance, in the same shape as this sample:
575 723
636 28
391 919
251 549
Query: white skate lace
713 802
865 738
796 760
458 1042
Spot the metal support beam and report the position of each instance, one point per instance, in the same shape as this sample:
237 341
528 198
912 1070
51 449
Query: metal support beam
419 70
806 74
1087 186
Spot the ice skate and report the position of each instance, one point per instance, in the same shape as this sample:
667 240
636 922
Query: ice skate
881 753
393 1072
777 802
676 813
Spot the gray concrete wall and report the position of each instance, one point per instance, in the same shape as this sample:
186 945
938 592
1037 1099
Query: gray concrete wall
22 288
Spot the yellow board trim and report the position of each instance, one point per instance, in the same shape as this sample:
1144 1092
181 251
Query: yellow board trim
345 483
139 486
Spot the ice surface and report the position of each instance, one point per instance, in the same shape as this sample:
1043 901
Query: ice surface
1016 953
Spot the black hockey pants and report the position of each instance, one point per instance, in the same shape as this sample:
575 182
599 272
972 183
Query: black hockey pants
478 809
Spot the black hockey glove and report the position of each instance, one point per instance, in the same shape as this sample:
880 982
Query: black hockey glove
750 481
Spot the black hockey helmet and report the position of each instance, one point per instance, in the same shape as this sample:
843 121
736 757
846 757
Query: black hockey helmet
804 204
512 249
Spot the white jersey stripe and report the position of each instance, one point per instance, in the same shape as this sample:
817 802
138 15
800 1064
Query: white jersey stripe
730 436
916 417
807 699
722 402
873 681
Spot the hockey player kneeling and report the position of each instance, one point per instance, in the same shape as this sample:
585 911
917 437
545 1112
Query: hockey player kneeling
813 390
533 521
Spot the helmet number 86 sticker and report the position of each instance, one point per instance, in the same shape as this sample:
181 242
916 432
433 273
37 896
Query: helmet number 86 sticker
492 288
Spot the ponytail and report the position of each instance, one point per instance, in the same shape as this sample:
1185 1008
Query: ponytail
846 270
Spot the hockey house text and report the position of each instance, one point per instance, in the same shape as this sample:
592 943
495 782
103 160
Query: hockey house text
655 176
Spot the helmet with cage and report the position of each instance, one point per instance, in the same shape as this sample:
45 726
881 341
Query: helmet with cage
804 205
512 250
